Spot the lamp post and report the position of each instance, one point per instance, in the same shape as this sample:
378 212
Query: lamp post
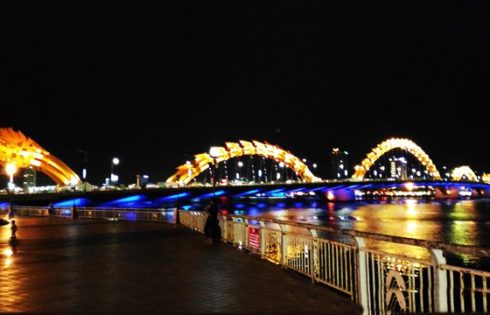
114 178
10 170
239 171
215 152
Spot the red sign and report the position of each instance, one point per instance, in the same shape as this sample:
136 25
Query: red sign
254 238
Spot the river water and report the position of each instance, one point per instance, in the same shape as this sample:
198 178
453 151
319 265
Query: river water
464 222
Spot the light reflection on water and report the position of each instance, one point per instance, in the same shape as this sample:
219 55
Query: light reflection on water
465 222
459 222
10 282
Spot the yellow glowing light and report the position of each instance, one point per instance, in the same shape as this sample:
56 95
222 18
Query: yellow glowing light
464 173
486 178
409 186
187 172
411 227
18 150
10 169
8 252
391 144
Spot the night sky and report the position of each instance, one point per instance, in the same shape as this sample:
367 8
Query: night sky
307 75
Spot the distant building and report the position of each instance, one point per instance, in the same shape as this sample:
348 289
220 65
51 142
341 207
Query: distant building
339 160
398 168
29 179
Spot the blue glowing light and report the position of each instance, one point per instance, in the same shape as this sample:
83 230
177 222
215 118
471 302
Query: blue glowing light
176 197
319 188
211 195
78 202
275 191
239 206
296 190
253 211
248 193
131 216
131 201
187 208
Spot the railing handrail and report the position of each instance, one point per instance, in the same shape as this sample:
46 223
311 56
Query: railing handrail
88 208
448 247
453 248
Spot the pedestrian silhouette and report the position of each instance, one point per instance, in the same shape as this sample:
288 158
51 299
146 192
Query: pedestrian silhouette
13 228
212 230
11 212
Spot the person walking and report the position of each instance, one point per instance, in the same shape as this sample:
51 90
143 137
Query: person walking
212 230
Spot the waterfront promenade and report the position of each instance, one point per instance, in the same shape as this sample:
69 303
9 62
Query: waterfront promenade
59 265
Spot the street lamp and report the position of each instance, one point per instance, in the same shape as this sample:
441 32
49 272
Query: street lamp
10 170
114 178
215 152
238 171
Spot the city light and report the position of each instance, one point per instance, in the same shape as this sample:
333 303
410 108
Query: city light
215 152
22 152
239 149
395 143
114 178
409 186
464 173
10 170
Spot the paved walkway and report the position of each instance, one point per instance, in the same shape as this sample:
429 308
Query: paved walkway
100 266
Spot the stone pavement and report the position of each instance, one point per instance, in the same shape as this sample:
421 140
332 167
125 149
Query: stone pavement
99 266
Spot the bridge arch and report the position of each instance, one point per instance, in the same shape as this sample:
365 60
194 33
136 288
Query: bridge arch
464 173
391 144
19 151
187 172
486 178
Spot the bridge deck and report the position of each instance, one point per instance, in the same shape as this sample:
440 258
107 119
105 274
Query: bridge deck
87 266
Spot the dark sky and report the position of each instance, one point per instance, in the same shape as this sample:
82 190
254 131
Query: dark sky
157 82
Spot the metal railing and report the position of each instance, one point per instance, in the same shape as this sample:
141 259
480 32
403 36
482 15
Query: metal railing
382 282
114 214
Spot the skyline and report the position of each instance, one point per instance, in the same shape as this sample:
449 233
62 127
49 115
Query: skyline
393 149
307 76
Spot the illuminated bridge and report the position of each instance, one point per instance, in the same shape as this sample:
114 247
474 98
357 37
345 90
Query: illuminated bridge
18 151
324 191
275 173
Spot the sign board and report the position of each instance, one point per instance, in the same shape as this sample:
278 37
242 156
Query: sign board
254 238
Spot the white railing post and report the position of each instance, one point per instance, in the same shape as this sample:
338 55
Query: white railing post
284 247
263 235
440 281
224 233
363 289
246 244
315 260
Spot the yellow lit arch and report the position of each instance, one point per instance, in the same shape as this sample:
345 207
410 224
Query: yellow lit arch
187 172
459 173
391 144
18 151
486 178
